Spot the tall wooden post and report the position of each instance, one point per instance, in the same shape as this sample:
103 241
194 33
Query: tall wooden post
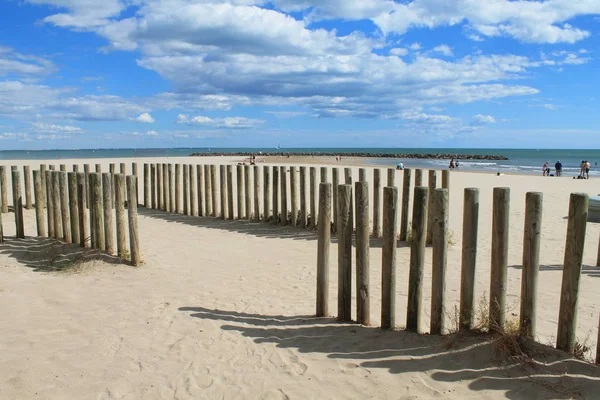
43 179
388 257
223 191
531 263
159 188
153 183
134 171
166 186
86 171
323 174
335 180
186 190
432 185
376 202
214 187
266 192
178 200
256 193
92 205
39 203
171 178
230 207
63 167
18 204
363 293
147 203
440 259
344 252
284 209
405 205
82 201
446 180
109 233
28 195
362 174
248 191
275 195
294 196
313 197
73 207
469 257
134 243
4 189
193 191
50 203
569 293
207 191
98 211
499 273
201 194
417 259
58 223
391 177
303 207
323 245
120 197
418 177
111 170
241 206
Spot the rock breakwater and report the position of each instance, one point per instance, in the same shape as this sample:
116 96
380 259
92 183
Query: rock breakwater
431 156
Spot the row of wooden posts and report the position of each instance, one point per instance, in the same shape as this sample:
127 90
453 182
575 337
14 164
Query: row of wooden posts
438 215
198 190
67 196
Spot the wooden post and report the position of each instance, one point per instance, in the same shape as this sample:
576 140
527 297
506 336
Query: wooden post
99 212
432 182
134 171
469 257
284 209
363 293
362 174
323 245
201 195
153 183
569 294
166 185
50 203
256 193
27 179
111 170
230 208
207 192
109 233
86 171
43 179
266 192
92 205
193 192
446 180
248 191
186 190
58 223
214 193
417 259
73 207
597 341
303 207
84 233
240 192
323 174
418 177
499 273
134 242
376 202
39 203
120 198
294 196
391 177
388 257
313 197
344 252
63 167
122 170
223 190
440 259
531 263
275 195
4 189
147 203
171 188
76 170
178 208
405 205
348 180
335 180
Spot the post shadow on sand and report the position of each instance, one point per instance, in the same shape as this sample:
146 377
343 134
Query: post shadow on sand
585 269
46 254
451 358
248 227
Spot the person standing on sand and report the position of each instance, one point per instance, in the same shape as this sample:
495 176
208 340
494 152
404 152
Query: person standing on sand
451 164
587 169
558 168
545 168
582 168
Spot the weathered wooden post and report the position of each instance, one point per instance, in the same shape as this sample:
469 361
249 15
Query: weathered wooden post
256 193
43 178
50 203
82 200
348 180
214 191
98 211
405 205
18 204
531 263
153 183
39 203
313 197
323 174
230 208
201 195
58 223
418 177
440 259
28 196
294 196
569 293
240 192
335 180
446 180
362 174
391 177
388 257
147 203
166 185
432 182
76 170
323 245
109 233
178 202
207 191
134 171
469 257
63 167
284 209
111 170
223 190
122 170
363 293
73 207
134 242
92 205
120 198
303 207
248 191
86 171
171 186
4 189
186 190
499 273
194 192
597 341
344 252
266 192
376 202
275 195
417 259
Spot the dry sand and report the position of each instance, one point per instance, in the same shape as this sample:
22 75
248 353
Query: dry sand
222 309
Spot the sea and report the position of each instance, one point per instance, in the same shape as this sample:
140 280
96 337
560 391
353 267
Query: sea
520 161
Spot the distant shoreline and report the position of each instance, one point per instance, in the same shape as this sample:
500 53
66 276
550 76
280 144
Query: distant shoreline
427 156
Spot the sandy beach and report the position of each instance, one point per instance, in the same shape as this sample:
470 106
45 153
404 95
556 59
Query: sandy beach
223 310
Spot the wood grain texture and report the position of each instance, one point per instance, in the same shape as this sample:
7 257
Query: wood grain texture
345 252
388 257
499 271
417 259
439 261
363 292
323 246
469 257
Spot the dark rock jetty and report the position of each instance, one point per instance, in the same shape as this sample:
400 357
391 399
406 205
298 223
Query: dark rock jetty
370 155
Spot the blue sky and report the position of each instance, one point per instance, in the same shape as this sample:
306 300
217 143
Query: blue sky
304 73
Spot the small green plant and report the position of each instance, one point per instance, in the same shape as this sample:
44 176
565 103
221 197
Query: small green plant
451 238
583 350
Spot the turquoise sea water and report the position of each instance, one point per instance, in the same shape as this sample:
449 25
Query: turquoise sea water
526 161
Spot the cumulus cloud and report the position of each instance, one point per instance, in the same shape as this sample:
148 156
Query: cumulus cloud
399 52
484 119
14 63
228 122
145 118
444 50
148 133
51 128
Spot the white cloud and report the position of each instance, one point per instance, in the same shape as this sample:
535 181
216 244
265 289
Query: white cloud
287 114
14 63
399 52
228 122
148 133
145 118
51 128
415 46
484 119
444 50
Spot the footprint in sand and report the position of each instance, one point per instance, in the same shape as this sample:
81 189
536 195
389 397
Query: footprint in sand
192 383
275 394
355 369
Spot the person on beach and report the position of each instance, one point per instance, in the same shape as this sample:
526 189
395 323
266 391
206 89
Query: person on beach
400 165
582 168
456 164
558 168
546 169
587 170
451 164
